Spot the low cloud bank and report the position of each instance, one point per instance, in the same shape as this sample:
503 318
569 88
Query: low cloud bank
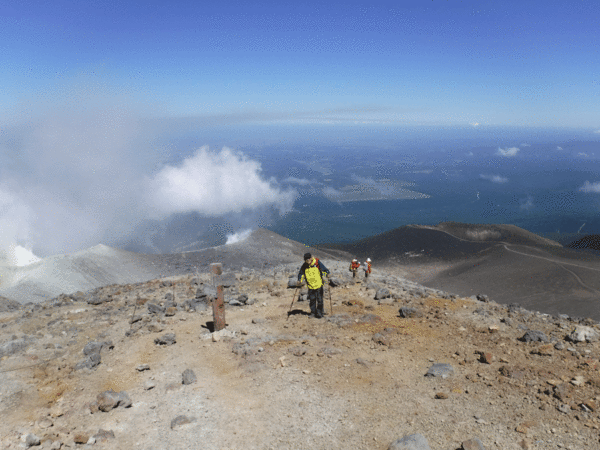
593 188
508 152
494 178
85 168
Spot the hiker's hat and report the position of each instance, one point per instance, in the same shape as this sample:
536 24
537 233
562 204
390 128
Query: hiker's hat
368 259
355 259
307 256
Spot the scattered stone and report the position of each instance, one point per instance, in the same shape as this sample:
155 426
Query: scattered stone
335 281
171 311
103 435
441 395
511 372
408 313
97 300
591 405
110 399
149 384
534 336
96 347
381 339
579 380
31 440
525 426
181 421
167 339
45 423
90 362
258 320
559 346
583 334
411 442
483 312
372 319
473 444
188 376
81 438
485 357
382 293
363 362
216 337
142 367
482 298
155 327
440 370
135 319
544 350
565 409
156 309
298 351
526 444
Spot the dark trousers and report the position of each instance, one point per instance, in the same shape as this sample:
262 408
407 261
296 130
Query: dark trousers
315 297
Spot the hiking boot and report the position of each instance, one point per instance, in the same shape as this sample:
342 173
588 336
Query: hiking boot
319 315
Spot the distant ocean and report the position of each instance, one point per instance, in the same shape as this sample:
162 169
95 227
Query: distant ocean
316 220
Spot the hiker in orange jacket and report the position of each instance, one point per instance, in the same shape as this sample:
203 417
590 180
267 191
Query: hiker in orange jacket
354 266
367 267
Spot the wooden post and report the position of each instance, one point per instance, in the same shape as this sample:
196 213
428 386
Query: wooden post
218 304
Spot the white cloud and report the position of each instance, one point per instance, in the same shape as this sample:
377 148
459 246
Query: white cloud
527 203
239 236
299 181
508 151
470 154
494 178
214 184
83 167
331 192
475 124
525 145
559 148
582 154
590 187
597 131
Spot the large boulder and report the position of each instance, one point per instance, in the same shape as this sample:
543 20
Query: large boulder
442 370
335 281
407 312
111 399
382 293
583 334
534 336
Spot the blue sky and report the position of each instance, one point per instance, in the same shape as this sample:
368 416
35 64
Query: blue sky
514 63
113 113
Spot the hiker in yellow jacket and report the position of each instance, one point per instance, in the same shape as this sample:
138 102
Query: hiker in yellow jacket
312 272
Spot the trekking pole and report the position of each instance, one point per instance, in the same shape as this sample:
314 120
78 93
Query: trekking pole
288 315
330 304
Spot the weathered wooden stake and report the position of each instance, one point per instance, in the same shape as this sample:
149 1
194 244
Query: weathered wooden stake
218 304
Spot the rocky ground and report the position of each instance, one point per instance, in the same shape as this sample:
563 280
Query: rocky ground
136 367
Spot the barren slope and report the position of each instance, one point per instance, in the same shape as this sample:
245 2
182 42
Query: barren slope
352 380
